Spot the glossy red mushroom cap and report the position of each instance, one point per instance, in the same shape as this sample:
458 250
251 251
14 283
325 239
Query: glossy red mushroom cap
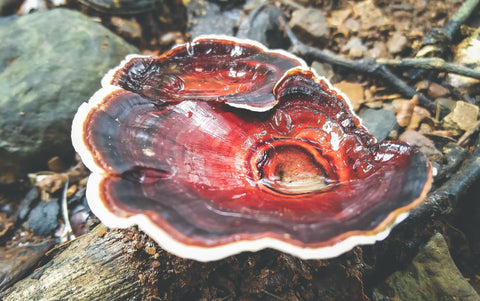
279 161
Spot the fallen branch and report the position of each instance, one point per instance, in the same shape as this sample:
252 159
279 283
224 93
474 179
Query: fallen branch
442 37
434 63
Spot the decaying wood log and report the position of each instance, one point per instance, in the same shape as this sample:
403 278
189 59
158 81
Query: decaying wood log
94 267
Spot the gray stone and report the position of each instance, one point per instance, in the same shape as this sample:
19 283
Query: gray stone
43 219
261 25
432 275
311 25
205 17
378 122
50 63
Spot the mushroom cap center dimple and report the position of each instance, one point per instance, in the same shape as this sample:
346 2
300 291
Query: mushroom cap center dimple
291 167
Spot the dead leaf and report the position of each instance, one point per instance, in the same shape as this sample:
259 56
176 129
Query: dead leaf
418 116
354 91
405 111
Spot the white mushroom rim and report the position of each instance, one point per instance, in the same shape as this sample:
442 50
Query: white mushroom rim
219 252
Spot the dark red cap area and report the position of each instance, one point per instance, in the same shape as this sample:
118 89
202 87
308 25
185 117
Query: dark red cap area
208 179
236 72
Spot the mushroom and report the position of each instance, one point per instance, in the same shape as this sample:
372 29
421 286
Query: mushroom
212 176
238 72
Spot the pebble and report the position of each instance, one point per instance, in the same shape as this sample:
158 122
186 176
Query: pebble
378 122
464 117
435 91
129 29
43 219
397 43
261 25
426 145
206 17
311 26
355 48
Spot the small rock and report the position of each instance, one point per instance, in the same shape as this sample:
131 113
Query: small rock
355 48
422 85
425 145
261 25
42 220
378 122
432 275
352 25
311 25
464 117
397 43
324 69
371 16
170 38
338 17
435 91
378 50
206 17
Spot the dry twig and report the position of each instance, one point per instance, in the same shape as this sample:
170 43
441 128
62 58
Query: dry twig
434 63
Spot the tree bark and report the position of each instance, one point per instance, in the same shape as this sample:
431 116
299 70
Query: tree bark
94 267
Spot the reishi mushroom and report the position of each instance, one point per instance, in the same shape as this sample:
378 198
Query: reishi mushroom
281 163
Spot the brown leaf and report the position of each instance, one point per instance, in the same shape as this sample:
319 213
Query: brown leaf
405 111
419 115
354 91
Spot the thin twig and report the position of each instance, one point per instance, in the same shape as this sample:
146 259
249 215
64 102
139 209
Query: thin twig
365 66
442 37
67 233
460 17
434 63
